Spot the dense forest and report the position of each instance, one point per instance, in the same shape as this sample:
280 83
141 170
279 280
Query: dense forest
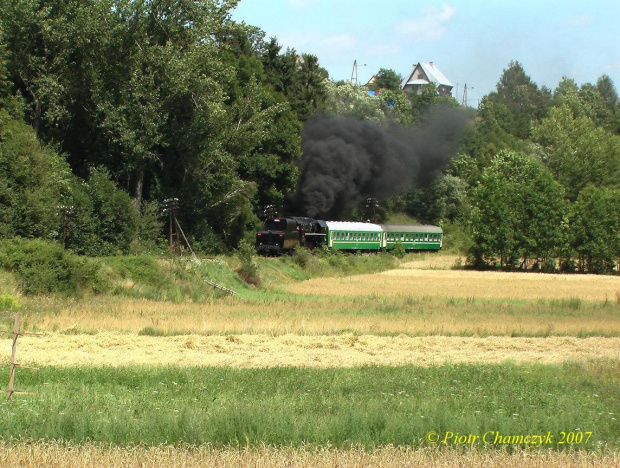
108 107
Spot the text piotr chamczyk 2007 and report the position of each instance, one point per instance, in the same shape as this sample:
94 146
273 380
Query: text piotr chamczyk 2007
495 438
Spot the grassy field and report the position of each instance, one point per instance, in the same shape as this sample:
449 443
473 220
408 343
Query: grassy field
286 406
315 370
423 297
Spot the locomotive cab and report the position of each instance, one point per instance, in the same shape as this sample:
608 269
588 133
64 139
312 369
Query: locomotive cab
277 235
284 234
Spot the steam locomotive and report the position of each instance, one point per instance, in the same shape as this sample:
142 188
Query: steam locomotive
280 235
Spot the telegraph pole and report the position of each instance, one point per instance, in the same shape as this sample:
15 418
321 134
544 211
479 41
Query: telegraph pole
170 207
354 73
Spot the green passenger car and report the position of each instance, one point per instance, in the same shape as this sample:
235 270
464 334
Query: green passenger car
342 235
420 237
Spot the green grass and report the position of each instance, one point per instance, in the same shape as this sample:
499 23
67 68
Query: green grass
35 267
372 406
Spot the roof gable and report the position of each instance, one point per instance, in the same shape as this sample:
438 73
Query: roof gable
425 73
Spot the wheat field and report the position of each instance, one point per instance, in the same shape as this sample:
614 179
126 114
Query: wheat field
423 297
423 313
417 282
260 350
58 455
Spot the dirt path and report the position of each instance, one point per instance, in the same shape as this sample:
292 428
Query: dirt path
116 349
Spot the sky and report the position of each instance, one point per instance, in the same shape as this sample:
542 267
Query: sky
470 41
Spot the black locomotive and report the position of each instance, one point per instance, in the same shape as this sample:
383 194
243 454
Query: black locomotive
281 235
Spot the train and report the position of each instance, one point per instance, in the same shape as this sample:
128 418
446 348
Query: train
281 235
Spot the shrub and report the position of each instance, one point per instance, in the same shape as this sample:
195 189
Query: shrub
8 302
248 271
399 250
301 256
43 267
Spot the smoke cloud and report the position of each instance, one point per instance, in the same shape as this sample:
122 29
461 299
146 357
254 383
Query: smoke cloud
346 160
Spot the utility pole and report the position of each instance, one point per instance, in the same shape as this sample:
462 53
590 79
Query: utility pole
465 95
170 207
354 73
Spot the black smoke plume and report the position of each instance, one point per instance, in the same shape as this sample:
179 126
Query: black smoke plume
346 160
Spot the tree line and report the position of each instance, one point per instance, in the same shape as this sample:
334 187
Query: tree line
108 107
153 99
537 180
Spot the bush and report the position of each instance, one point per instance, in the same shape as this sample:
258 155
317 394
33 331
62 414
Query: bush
249 269
43 267
302 256
399 250
8 302
33 180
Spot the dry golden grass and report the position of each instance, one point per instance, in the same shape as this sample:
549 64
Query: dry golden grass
56 455
317 316
411 281
348 350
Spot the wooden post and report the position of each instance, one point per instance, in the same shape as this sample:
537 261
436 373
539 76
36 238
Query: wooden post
11 390
13 354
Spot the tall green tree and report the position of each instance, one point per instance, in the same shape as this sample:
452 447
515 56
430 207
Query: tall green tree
4 82
577 151
387 79
595 229
607 90
491 133
525 102
518 212
312 81
34 181
585 101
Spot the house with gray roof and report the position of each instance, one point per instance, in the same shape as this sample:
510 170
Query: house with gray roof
424 73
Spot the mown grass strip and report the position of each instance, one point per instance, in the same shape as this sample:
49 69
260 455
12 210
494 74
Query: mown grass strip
370 406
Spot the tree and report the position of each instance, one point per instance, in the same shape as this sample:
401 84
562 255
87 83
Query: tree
387 79
595 228
264 135
4 82
396 107
491 133
34 181
578 152
607 90
586 101
312 81
523 100
147 89
347 100
518 212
